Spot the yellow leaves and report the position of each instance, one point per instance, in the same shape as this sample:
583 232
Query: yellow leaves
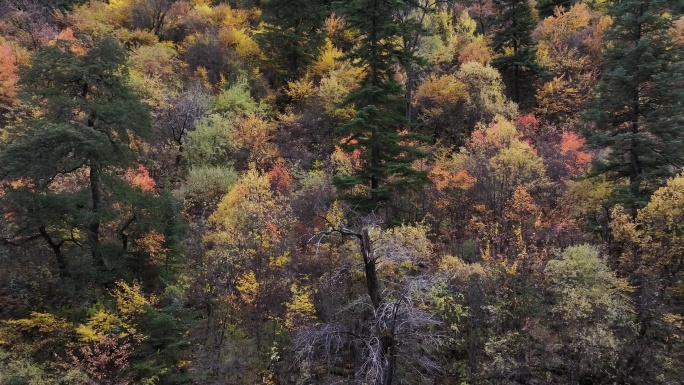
248 287
335 215
300 309
554 30
558 97
157 60
327 59
300 90
440 91
455 267
657 232
130 300
39 334
666 208
226 16
585 288
249 222
244 45
676 321
587 197
500 134
279 260
331 92
507 156
250 199
202 10
100 326
45 323
404 244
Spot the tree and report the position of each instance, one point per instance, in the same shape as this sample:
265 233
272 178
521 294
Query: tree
8 80
85 132
388 334
651 247
376 129
246 249
546 8
516 50
293 34
486 97
568 50
593 306
638 107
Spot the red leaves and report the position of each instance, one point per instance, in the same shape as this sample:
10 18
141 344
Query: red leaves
139 177
576 160
280 177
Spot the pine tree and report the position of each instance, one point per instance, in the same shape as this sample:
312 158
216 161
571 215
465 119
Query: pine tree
64 175
293 34
516 50
546 8
378 129
638 106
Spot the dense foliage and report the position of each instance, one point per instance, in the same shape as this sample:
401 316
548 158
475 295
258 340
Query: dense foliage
358 192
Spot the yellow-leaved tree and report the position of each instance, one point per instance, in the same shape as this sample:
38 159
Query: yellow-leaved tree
246 251
651 252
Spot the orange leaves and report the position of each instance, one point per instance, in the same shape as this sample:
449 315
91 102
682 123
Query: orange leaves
152 243
576 160
67 34
139 177
346 162
521 206
475 52
255 133
444 178
8 74
280 177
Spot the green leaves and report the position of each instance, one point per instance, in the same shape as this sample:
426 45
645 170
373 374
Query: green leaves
378 131
638 108
513 42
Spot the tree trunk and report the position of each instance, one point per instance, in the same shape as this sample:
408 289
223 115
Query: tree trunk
372 284
94 226
57 250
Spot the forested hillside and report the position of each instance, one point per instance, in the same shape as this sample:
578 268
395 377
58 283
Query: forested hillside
374 192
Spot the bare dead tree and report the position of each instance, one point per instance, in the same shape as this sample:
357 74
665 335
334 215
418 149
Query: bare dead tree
382 330
31 22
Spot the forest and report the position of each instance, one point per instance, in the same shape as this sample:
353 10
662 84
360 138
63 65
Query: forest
369 192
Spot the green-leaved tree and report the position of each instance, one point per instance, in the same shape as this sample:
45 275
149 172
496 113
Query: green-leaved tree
379 128
515 49
638 107
72 175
